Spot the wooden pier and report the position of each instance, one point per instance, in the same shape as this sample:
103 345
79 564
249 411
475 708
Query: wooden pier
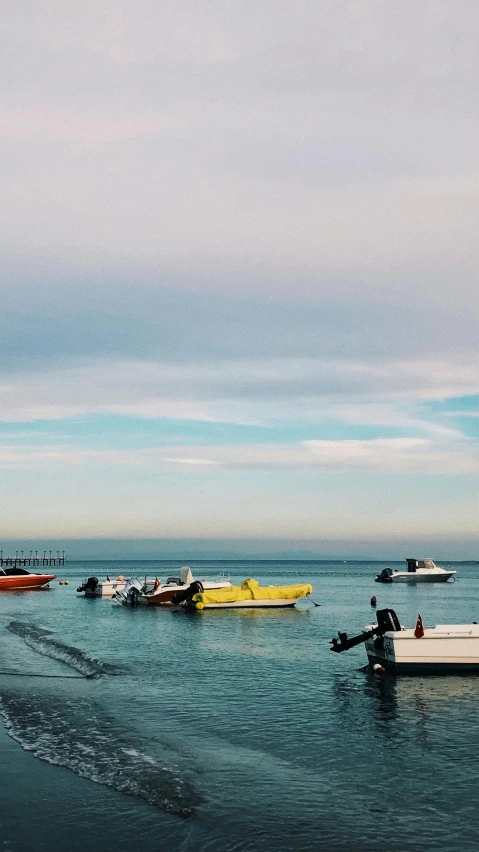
22 558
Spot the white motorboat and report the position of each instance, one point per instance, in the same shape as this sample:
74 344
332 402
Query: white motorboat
418 571
156 593
92 587
443 649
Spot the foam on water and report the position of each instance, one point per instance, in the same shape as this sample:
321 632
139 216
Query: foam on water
39 640
77 734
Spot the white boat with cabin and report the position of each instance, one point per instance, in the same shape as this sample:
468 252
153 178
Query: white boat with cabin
418 571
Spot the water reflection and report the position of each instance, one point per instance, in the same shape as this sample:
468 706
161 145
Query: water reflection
408 706
403 690
247 613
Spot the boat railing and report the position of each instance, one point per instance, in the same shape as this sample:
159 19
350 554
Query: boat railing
219 578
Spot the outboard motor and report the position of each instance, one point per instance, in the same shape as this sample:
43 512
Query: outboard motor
187 594
384 576
387 620
89 586
131 591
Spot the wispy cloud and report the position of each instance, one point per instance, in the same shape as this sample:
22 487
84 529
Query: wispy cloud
466 413
393 455
91 127
188 461
241 391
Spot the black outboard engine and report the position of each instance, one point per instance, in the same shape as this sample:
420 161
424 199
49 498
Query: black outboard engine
387 620
187 594
89 586
384 576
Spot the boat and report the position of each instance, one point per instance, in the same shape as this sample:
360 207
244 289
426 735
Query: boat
15 578
249 594
418 571
443 649
156 593
92 587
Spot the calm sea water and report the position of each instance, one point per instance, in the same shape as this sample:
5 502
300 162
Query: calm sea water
230 730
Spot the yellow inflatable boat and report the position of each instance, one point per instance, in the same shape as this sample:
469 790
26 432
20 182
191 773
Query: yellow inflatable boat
249 594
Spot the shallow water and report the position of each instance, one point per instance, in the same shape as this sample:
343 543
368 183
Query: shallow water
234 730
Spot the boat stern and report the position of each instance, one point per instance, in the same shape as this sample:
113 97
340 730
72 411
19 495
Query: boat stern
380 650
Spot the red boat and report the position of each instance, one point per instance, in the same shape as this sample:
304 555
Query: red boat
19 578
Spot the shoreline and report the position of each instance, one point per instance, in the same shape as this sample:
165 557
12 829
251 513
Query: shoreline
47 806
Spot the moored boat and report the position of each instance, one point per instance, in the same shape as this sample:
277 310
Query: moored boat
249 594
156 593
15 578
418 571
443 649
92 587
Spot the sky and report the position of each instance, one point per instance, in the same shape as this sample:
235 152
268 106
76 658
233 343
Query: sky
239 275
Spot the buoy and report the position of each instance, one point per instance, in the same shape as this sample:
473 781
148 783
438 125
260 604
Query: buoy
60 582
66 582
374 600
378 668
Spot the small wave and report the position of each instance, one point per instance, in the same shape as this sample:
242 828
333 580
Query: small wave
77 734
39 640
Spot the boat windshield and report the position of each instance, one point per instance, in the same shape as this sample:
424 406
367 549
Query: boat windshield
13 572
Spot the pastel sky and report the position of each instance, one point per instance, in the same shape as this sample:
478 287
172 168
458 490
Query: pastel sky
239 271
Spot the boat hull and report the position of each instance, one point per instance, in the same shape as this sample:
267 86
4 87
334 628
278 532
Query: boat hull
25 582
105 590
282 602
422 578
164 596
426 668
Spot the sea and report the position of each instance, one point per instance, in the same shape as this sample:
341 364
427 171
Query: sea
158 729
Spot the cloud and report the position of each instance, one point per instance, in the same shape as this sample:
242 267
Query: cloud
461 414
190 461
83 128
330 147
393 455
241 391
44 324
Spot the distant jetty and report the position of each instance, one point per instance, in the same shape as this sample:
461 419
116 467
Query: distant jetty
21 557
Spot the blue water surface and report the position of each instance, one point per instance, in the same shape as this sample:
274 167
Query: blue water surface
232 730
